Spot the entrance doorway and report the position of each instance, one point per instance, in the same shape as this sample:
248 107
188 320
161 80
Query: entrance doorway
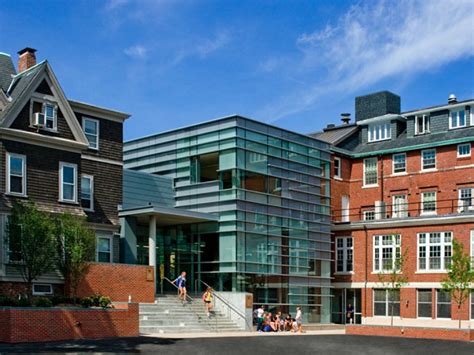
341 300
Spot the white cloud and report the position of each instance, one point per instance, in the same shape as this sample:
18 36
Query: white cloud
211 45
138 51
374 41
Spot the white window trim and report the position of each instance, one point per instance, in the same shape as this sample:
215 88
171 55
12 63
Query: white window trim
61 166
387 303
393 164
417 305
422 165
111 240
376 169
428 213
380 246
338 176
436 307
364 214
84 119
385 127
399 213
344 249
464 156
443 268
91 178
457 119
23 157
472 249
42 293
44 102
426 128
470 208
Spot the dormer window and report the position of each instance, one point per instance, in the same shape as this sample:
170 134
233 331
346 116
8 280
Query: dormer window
422 124
380 132
457 119
48 115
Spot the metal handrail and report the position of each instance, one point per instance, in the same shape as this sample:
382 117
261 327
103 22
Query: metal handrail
227 303
191 301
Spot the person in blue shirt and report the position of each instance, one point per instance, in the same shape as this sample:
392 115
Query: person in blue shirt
181 283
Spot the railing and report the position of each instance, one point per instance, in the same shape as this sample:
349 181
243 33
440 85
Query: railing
190 300
403 210
229 305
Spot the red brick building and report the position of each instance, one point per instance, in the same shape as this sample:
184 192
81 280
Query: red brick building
403 183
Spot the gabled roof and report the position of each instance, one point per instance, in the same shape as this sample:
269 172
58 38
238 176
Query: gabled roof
335 135
7 70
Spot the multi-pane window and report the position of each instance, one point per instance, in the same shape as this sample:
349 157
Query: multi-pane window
104 250
472 304
400 206
464 150
443 304
472 249
91 130
50 116
87 192
399 163
457 119
386 302
428 159
386 252
379 132
337 167
428 202
16 174
424 305
466 199
434 251
67 182
369 215
344 254
422 124
370 171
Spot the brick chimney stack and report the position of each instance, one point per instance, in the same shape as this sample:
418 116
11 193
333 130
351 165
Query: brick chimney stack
26 59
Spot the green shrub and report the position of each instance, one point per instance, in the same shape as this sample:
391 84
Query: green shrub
43 302
57 299
105 302
7 301
87 302
24 302
96 300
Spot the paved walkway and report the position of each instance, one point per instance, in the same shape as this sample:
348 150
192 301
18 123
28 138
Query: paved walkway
244 334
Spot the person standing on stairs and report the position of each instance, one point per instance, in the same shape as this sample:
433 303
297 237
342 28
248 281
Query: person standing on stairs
207 298
181 283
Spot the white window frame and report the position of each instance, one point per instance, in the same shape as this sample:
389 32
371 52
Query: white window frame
43 103
369 213
110 238
436 305
457 125
423 212
425 124
337 167
386 302
418 303
470 206
97 122
401 212
91 178
379 132
423 160
62 165
396 245
39 293
376 170
444 248
24 185
345 252
464 155
472 250
393 164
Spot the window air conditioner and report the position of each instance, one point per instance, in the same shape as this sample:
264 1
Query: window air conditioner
38 120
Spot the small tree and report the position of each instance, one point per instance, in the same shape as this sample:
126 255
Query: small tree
393 278
75 248
460 277
31 239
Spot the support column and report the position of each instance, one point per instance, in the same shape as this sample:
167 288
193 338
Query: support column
152 245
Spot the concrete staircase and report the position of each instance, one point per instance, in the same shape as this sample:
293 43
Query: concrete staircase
169 315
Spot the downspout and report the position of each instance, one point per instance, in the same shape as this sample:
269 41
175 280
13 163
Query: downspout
366 271
381 179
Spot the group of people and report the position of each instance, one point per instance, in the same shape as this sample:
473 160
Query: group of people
268 322
207 296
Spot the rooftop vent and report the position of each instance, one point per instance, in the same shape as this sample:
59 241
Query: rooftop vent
345 118
452 99
331 125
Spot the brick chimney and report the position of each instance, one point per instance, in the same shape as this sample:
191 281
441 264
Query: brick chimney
26 59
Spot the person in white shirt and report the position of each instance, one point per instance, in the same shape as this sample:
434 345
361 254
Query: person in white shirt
299 319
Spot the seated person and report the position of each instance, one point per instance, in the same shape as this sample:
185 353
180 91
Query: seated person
288 323
294 325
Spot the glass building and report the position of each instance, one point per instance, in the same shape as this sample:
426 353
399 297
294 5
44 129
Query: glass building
253 211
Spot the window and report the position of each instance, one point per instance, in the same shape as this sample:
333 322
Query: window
369 215
422 124
67 182
337 168
370 172
424 305
443 304
457 119
91 130
428 159
464 150
400 206
472 304
204 168
428 202
399 163
434 251
42 289
386 303
386 252
87 192
472 248
49 110
466 199
16 174
379 132
104 249
344 254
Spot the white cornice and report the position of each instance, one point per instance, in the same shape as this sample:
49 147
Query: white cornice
99 112
102 160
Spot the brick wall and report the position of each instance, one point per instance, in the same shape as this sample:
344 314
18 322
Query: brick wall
412 332
54 324
118 281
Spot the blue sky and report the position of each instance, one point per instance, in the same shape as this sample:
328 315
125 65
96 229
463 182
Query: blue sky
296 64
